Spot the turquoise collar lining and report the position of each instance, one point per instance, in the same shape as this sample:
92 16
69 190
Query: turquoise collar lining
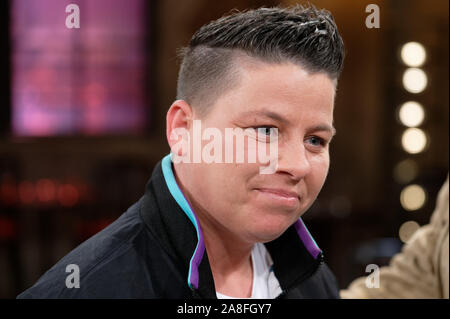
193 277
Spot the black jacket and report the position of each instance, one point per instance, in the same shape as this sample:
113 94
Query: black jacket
156 250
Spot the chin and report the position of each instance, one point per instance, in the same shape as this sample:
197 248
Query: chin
270 229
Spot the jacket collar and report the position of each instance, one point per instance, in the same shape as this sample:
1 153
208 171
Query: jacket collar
295 253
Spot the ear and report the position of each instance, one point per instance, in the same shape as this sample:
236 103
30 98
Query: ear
178 119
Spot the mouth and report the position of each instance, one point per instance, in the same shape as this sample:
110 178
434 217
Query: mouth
279 197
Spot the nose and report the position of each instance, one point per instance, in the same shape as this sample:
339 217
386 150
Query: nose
294 161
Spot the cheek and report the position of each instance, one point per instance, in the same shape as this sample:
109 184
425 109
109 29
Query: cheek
320 166
221 184
235 179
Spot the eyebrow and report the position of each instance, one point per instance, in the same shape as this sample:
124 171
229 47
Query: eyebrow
279 118
323 127
266 113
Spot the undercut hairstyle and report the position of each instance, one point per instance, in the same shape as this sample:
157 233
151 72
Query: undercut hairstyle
301 35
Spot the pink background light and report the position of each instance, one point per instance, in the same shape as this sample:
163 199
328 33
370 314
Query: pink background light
86 81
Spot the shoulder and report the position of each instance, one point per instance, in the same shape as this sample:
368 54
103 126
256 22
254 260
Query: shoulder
111 257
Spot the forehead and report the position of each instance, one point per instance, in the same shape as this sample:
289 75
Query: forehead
285 80
285 89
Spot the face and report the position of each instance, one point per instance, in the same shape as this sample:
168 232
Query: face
234 198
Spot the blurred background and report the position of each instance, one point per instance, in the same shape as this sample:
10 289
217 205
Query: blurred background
82 123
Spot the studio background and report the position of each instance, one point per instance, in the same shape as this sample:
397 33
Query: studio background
82 118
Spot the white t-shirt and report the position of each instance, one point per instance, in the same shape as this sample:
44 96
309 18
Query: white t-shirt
265 284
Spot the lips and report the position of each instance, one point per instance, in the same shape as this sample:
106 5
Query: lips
279 196
279 192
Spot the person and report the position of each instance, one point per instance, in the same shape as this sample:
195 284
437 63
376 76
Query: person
212 229
420 270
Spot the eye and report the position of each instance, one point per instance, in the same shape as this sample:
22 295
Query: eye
264 130
266 133
317 141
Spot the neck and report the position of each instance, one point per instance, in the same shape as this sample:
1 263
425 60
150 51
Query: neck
229 256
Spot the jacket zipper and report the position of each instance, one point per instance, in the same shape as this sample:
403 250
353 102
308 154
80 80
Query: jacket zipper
309 273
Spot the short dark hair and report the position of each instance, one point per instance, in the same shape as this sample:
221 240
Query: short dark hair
302 35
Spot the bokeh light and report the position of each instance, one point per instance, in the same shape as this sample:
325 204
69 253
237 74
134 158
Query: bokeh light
45 190
414 140
405 171
413 54
414 80
413 197
407 230
68 195
411 114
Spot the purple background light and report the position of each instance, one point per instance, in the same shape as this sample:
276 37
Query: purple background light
87 81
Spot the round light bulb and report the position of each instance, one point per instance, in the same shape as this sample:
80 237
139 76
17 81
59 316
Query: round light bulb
413 197
414 80
414 140
413 54
411 114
